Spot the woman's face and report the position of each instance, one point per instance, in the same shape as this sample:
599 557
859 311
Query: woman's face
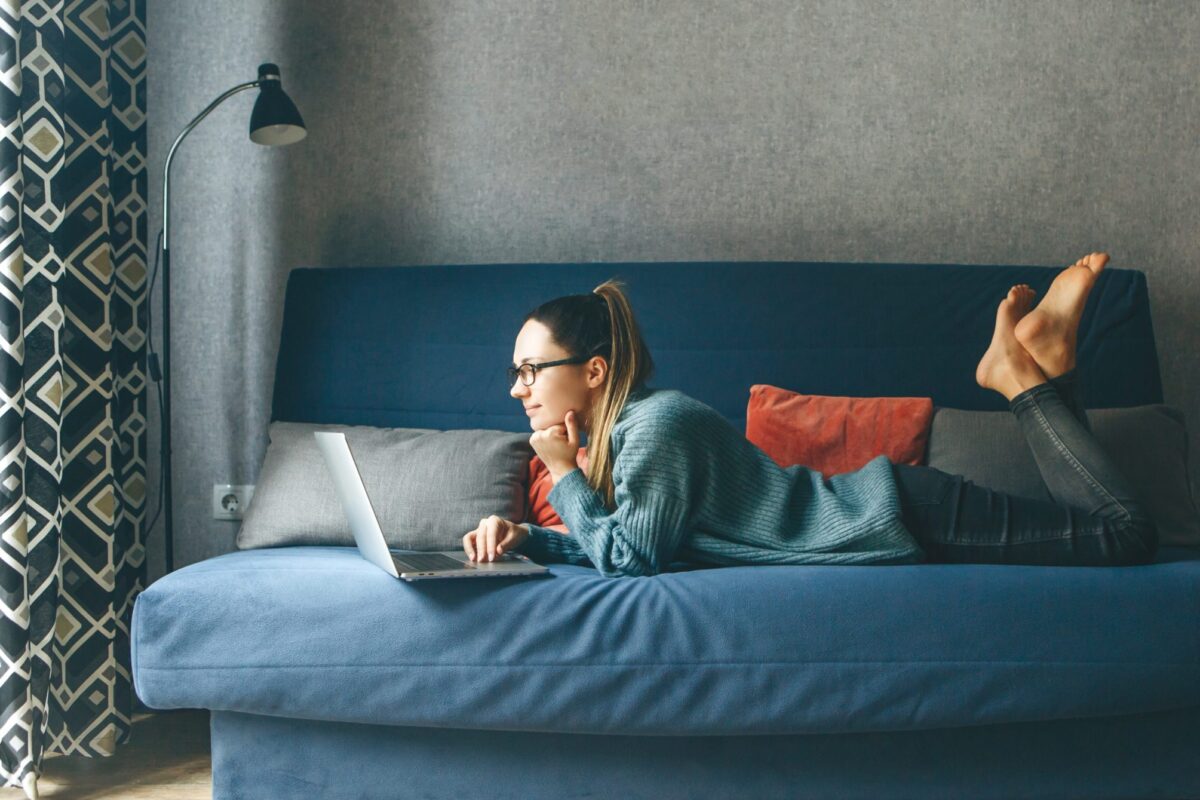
555 390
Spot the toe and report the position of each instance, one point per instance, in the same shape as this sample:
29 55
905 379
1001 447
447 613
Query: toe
1098 260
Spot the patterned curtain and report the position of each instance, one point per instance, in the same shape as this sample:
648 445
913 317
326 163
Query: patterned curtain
72 410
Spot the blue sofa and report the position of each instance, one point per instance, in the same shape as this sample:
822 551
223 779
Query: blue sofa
328 678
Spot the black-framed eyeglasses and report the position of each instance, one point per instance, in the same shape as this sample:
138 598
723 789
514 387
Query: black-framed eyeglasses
528 372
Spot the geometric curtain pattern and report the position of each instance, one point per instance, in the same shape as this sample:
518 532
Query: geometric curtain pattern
72 388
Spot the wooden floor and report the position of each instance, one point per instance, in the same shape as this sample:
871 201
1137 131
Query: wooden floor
167 757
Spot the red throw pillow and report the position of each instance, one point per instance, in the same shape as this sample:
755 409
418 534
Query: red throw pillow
833 435
540 511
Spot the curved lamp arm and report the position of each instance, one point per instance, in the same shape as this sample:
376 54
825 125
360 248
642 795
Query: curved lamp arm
167 169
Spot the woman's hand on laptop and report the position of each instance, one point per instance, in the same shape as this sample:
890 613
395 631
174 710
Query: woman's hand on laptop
493 537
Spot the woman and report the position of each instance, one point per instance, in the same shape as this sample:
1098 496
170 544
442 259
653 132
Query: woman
669 479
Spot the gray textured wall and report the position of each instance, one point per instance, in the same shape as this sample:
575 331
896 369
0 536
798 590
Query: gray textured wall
451 131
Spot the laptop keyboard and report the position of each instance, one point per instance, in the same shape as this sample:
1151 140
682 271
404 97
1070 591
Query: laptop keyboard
428 561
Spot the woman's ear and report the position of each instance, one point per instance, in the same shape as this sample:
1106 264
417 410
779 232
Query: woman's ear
597 371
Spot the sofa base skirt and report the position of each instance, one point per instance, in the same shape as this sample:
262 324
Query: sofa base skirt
272 758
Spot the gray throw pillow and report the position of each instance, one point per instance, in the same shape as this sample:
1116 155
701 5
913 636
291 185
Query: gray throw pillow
1148 444
428 487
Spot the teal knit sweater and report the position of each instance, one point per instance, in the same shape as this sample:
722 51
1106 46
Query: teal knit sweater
690 487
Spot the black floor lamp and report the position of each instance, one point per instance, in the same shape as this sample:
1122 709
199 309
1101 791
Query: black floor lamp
274 121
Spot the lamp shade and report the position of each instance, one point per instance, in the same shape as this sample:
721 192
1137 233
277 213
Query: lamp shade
275 119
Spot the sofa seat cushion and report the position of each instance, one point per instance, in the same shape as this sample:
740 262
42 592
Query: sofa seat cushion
318 633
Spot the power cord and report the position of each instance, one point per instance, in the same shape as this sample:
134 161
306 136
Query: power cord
155 374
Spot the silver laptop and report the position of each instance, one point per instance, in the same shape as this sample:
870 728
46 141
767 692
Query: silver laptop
406 564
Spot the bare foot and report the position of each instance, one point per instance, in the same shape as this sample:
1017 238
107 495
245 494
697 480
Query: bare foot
1049 331
1006 366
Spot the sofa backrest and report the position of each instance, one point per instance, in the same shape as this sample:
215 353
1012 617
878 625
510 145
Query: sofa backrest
427 346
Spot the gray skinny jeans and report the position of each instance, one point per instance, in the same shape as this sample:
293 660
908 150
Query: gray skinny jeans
1095 519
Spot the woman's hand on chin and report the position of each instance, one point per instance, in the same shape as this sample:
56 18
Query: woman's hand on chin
558 445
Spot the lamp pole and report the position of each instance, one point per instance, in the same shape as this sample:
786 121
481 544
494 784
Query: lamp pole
273 122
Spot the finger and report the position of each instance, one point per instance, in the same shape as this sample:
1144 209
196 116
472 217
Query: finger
469 545
501 534
477 540
481 541
501 530
490 548
475 545
506 542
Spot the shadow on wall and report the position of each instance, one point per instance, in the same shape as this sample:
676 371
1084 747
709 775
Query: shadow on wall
362 82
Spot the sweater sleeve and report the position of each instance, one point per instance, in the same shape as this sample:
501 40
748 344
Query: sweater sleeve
547 546
651 477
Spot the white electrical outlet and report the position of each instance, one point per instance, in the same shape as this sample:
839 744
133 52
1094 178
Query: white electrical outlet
230 499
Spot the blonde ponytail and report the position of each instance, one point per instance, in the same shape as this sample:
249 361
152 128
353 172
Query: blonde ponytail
629 365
